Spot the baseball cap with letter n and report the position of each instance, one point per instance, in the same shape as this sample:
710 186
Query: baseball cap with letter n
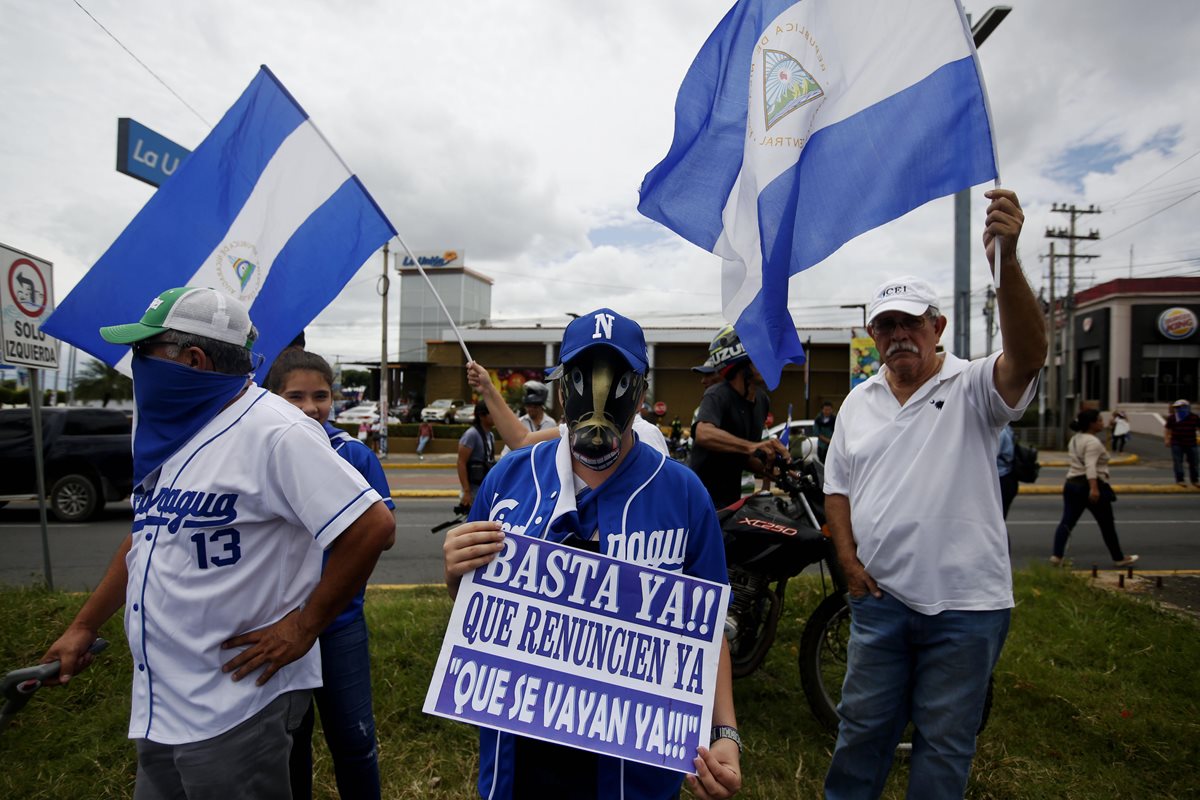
189 309
604 327
908 294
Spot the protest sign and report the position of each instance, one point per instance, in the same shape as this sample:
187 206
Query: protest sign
564 645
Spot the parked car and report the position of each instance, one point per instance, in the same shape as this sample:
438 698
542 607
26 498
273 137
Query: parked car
802 442
359 413
465 414
88 459
440 410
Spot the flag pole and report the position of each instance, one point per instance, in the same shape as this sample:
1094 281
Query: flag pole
987 109
436 296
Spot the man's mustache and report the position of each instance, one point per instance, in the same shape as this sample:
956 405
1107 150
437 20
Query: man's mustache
898 346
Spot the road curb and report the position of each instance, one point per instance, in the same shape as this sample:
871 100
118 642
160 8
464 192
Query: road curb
1119 488
1119 461
410 493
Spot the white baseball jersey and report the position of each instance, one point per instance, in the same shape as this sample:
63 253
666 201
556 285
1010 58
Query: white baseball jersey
223 544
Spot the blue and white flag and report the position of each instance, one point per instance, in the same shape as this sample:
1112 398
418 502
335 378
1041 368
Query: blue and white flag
857 112
263 209
785 437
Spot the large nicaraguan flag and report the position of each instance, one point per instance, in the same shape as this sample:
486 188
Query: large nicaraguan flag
801 125
263 209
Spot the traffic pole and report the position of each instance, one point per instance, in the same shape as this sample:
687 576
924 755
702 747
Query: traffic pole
35 407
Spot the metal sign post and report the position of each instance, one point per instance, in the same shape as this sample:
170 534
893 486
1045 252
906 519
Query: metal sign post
26 299
35 405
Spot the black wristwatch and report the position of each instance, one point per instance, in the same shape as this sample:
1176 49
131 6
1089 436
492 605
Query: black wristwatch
726 732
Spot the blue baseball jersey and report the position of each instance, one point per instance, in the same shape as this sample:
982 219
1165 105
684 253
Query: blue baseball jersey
652 511
359 456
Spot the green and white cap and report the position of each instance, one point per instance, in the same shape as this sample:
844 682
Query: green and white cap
189 309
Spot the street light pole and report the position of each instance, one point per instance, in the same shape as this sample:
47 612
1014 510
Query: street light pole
962 216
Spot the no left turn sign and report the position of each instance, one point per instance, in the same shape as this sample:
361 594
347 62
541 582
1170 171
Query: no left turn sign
26 299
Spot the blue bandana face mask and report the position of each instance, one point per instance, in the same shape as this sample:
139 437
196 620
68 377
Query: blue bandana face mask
172 402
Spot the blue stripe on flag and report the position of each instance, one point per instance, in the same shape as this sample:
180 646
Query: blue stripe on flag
317 261
687 191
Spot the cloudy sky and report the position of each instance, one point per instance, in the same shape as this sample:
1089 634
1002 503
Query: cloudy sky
520 132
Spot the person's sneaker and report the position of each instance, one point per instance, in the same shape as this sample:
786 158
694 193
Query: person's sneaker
1127 561
1055 561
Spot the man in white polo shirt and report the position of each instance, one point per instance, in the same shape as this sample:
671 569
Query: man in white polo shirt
236 495
913 502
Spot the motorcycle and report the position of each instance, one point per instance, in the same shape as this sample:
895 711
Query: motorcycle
770 539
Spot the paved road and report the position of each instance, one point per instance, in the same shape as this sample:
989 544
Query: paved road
1163 529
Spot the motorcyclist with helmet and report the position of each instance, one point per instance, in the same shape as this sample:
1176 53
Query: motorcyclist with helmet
729 424
535 417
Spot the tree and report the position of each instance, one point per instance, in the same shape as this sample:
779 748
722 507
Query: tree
356 377
98 381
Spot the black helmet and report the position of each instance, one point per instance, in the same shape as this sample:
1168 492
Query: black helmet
726 349
535 393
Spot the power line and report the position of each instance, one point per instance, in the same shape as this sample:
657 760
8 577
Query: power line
1155 214
1152 180
143 64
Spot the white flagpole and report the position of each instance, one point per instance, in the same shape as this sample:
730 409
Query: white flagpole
987 107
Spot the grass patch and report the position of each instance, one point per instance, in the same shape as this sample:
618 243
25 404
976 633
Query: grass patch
1096 697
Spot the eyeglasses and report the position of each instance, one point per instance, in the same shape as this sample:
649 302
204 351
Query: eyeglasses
146 347
887 325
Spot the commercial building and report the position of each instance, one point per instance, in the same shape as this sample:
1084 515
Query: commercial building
1132 343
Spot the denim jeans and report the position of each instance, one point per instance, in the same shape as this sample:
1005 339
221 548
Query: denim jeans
904 666
344 703
1179 452
1075 500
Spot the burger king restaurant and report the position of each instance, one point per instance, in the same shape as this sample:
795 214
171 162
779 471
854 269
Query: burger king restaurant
1135 346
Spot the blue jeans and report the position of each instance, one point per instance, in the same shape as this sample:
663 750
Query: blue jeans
421 442
344 703
1075 501
905 666
1179 452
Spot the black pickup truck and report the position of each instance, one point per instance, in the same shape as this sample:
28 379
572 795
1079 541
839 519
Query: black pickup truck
88 452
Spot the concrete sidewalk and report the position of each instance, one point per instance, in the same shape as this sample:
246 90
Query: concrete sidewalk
435 475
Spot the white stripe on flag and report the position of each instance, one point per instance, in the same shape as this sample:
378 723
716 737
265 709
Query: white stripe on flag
299 178
859 52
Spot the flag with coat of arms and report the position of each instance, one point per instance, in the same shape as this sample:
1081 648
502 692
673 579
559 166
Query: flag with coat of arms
264 210
801 125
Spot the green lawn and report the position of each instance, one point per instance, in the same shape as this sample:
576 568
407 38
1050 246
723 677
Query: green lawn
1096 697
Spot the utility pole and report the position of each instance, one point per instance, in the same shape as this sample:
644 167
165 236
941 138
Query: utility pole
1069 399
989 315
1052 369
383 361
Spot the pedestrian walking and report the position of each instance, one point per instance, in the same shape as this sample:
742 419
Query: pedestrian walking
1120 431
1180 435
1087 487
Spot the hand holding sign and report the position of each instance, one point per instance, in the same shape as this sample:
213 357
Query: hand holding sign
467 547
